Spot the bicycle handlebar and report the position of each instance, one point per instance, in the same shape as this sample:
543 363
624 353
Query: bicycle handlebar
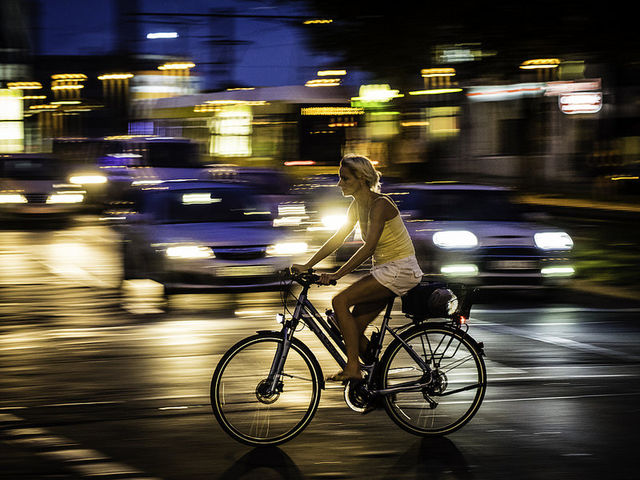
304 278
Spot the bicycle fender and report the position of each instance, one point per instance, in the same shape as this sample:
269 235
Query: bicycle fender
304 348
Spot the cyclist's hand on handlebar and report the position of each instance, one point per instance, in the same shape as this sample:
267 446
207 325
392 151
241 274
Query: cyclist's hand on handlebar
328 279
299 268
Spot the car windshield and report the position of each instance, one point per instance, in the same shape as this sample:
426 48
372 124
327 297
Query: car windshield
172 155
30 169
459 205
204 205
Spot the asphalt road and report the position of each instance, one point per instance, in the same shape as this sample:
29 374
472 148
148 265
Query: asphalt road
96 386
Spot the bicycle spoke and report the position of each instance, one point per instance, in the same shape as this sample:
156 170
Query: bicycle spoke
457 381
248 406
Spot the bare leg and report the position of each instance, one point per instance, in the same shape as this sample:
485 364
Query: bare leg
366 290
364 314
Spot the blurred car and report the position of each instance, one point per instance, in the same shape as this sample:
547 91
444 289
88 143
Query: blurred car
272 186
121 163
317 209
479 236
36 186
205 235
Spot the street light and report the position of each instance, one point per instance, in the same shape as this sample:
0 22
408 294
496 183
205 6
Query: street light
158 35
541 65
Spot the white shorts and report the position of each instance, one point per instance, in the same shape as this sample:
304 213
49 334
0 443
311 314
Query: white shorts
399 276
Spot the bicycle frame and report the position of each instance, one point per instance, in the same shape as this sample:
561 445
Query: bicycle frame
306 312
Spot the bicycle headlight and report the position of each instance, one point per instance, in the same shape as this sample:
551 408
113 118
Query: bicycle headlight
553 241
287 248
189 252
455 239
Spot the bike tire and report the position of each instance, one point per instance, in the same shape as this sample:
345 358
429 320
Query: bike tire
457 363
252 418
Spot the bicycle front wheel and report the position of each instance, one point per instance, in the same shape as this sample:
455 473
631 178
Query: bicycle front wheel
239 397
455 388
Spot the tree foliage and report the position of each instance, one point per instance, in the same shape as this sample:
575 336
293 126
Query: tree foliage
393 41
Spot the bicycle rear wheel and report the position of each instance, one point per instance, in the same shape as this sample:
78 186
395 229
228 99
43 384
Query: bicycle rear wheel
239 399
457 385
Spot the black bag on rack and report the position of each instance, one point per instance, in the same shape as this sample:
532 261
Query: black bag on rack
429 300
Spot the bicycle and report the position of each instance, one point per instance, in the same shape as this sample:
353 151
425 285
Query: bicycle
431 377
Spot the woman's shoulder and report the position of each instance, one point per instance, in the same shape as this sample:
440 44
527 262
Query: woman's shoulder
383 199
385 204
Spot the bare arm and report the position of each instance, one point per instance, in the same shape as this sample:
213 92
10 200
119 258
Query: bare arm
381 211
336 240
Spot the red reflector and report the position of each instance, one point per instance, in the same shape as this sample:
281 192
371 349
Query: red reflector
463 320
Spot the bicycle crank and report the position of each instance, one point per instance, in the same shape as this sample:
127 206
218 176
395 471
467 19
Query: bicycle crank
357 397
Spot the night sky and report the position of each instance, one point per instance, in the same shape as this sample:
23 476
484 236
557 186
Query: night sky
274 52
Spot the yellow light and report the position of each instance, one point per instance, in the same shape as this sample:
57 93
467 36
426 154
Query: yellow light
177 66
67 87
34 97
24 85
316 21
115 76
329 73
377 93
323 82
435 91
624 177
415 124
69 76
540 63
43 107
438 72
331 111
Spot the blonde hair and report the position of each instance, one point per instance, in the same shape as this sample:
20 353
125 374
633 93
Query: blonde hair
361 166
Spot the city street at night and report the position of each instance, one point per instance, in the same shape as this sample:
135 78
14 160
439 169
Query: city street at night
99 384
206 207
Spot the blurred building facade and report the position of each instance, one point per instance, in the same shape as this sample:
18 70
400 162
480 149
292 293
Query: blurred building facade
544 122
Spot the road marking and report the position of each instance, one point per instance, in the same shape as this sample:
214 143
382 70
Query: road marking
555 310
558 341
86 462
560 397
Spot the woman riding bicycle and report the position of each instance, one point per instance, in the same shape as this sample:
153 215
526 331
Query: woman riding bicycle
395 269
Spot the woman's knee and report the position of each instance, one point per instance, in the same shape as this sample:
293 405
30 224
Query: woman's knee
340 301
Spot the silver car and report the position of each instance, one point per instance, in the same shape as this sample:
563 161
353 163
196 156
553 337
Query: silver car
35 186
202 235
477 235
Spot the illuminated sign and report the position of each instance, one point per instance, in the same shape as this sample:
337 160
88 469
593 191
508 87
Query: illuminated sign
495 93
374 95
331 111
580 102
561 88
11 126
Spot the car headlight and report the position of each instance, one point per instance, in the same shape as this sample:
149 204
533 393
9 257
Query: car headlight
189 252
455 239
333 222
65 198
287 248
88 179
12 198
553 241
